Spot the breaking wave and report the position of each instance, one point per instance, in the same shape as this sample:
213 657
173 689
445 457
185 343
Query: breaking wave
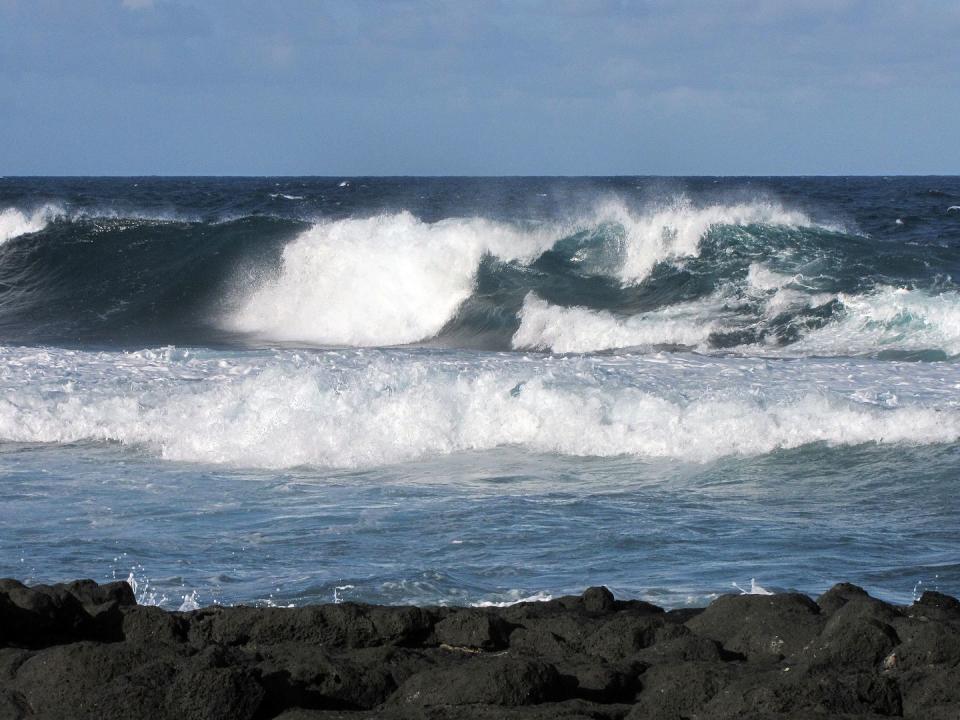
360 409
889 318
14 222
579 330
743 278
386 280
394 279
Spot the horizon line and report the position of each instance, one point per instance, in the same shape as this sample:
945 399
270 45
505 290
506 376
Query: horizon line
489 176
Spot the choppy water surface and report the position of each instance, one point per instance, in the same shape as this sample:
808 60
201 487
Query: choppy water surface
479 390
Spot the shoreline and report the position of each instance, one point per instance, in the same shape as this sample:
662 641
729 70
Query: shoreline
83 650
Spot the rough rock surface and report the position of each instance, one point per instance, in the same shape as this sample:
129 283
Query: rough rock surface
82 650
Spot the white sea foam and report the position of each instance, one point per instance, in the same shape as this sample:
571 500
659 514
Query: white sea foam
674 230
515 597
386 280
761 277
14 222
394 279
576 329
755 588
781 293
356 409
889 318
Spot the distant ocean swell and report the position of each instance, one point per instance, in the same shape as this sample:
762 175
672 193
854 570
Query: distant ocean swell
746 278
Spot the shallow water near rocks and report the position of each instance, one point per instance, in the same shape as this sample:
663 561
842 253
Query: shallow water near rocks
492 526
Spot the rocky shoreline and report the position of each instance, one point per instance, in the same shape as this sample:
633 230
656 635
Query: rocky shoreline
83 650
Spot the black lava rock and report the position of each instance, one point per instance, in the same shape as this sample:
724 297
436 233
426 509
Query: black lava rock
82 651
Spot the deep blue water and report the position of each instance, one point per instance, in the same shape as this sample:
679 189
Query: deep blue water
479 390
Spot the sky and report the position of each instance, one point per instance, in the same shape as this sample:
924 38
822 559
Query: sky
511 87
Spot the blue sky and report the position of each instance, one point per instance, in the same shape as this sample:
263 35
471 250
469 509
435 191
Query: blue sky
541 87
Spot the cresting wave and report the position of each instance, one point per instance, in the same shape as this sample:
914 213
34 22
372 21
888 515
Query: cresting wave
385 280
580 330
15 222
889 318
369 408
883 319
394 279
745 278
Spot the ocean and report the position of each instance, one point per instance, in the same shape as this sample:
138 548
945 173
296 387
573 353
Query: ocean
280 391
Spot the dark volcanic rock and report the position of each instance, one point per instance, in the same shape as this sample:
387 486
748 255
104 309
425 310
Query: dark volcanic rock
685 648
760 627
929 695
93 596
501 680
598 600
41 615
799 692
83 651
929 644
935 606
473 629
932 599
679 690
839 595
626 634
853 636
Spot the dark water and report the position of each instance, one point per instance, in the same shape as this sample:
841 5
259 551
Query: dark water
465 390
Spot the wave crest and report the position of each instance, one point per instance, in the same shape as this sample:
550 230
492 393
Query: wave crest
889 318
673 231
577 330
394 279
14 222
385 280
368 408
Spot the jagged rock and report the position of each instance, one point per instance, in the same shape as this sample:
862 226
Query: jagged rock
935 606
838 596
680 690
91 595
473 629
626 634
598 600
929 644
685 648
805 692
933 599
153 626
761 627
82 650
501 680
852 637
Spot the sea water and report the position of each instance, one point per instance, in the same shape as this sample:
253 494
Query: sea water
468 391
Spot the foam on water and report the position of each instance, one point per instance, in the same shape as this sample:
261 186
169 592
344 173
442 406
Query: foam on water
889 318
576 329
883 319
780 292
674 230
14 222
762 278
385 280
394 279
515 597
362 410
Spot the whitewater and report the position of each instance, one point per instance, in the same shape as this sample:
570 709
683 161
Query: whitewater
477 390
